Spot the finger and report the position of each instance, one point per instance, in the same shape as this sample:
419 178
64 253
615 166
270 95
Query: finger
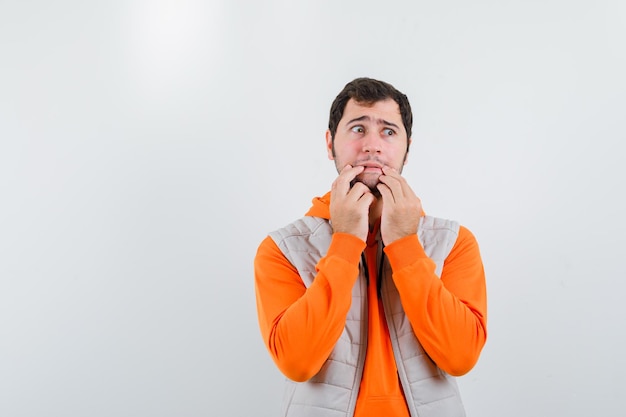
350 172
346 175
358 189
367 198
351 196
391 171
395 185
340 182
386 193
407 191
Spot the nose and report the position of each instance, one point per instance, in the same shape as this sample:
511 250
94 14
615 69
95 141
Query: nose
371 143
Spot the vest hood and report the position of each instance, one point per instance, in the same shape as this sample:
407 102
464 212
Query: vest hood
320 207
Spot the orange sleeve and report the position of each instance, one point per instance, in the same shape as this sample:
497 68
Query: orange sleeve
448 315
300 326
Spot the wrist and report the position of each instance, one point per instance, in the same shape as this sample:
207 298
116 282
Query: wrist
346 246
405 251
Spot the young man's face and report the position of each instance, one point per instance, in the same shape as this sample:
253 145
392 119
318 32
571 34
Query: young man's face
372 136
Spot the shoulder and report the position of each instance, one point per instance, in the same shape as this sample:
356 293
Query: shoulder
465 241
465 250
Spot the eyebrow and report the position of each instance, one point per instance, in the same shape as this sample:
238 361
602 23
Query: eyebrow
378 121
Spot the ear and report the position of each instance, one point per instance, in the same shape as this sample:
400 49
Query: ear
329 145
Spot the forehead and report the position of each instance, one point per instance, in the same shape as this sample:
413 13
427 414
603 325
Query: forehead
383 110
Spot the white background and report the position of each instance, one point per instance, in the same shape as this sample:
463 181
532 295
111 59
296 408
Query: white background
147 147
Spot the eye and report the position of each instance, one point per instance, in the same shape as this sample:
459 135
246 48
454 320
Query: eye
388 132
358 129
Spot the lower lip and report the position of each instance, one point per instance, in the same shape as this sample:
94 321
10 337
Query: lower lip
373 169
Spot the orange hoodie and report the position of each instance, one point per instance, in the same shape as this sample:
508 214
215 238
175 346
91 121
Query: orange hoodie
300 326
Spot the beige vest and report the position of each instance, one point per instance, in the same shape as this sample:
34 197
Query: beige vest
333 391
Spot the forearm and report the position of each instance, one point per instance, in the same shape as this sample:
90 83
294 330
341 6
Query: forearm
448 315
300 325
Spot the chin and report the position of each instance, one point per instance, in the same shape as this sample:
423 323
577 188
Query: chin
371 180
371 183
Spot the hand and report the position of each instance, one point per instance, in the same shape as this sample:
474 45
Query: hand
402 209
349 206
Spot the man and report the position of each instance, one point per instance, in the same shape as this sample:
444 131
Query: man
366 304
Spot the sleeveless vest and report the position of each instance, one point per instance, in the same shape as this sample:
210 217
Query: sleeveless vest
333 391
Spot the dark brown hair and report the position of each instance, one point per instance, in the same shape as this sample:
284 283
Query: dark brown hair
369 91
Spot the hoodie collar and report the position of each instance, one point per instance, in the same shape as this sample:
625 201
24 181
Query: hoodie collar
320 207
